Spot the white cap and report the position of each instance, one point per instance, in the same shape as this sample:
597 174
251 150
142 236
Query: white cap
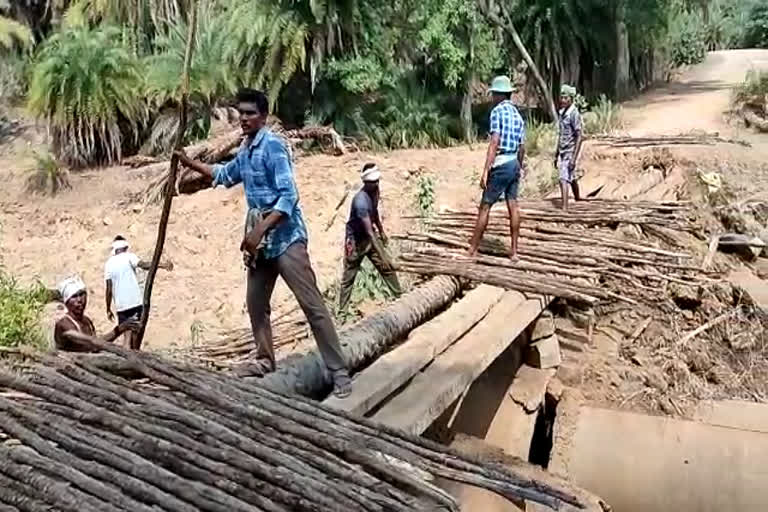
370 174
70 287
119 244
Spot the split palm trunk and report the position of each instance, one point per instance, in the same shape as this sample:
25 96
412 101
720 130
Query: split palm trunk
366 339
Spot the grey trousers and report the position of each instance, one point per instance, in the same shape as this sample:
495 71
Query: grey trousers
294 267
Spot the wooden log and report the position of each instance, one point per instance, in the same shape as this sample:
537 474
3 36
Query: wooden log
367 338
431 392
182 445
423 344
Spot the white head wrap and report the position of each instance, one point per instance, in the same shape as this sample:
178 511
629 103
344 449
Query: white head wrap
70 287
370 174
119 244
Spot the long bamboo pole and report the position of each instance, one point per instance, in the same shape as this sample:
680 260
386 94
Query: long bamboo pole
138 338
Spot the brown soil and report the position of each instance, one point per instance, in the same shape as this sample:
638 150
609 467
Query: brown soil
49 238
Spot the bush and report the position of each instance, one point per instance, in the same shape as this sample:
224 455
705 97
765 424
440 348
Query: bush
48 176
20 310
687 39
89 86
411 118
756 29
604 118
539 137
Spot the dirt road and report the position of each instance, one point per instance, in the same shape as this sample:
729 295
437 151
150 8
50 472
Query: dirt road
698 100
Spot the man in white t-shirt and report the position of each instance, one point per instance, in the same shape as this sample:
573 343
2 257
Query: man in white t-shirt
123 284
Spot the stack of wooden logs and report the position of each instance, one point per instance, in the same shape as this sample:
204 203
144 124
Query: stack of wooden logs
77 435
700 139
236 346
576 255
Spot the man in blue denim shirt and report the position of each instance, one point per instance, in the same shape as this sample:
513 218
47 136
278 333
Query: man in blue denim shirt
277 242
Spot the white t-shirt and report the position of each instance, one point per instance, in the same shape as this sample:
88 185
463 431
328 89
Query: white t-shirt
121 270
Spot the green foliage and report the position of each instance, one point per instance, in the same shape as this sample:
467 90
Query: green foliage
756 28
359 75
369 287
210 80
425 195
410 118
20 310
465 46
605 117
539 137
47 176
89 87
687 39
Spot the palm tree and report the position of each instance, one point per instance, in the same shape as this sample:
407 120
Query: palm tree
210 75
89 87
278 37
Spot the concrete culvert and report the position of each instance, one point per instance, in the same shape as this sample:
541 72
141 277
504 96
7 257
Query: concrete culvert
640 463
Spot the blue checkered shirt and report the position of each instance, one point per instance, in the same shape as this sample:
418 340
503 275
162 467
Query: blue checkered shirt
508 123
264 167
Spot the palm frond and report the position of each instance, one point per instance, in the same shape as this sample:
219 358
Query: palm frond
13 33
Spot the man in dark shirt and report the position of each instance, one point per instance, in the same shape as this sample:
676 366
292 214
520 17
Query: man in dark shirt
361 241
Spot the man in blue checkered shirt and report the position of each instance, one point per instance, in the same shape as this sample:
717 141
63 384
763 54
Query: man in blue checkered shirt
503 164
275 242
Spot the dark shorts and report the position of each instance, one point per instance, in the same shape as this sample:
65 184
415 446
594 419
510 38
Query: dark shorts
134 313
502 180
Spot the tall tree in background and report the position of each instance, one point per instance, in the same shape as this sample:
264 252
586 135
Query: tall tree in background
465 47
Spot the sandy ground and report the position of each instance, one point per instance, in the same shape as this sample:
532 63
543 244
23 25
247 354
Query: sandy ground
49 238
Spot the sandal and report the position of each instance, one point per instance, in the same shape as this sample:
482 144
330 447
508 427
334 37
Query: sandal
342 384
258 368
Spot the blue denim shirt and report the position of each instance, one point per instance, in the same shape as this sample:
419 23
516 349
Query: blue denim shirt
264 167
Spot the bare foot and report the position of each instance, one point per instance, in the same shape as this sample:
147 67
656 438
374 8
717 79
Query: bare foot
514 258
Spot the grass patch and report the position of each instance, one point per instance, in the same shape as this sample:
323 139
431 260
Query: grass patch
604 117
540 138
753 91
47 177
20 310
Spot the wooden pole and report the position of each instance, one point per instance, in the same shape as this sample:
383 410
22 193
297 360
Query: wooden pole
171 183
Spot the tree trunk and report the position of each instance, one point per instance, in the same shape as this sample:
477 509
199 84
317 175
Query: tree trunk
366 339
466 112
621 85
489 10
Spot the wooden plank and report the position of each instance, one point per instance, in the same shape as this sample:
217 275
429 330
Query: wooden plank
393 369
434 389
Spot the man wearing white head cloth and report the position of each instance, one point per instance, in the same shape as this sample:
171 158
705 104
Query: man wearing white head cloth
365 237
123 284
568 144
74 330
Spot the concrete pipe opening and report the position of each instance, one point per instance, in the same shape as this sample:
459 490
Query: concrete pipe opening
639 463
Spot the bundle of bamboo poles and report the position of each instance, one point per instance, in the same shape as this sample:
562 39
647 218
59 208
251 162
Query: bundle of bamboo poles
235 346
583 262
706 139
79 437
